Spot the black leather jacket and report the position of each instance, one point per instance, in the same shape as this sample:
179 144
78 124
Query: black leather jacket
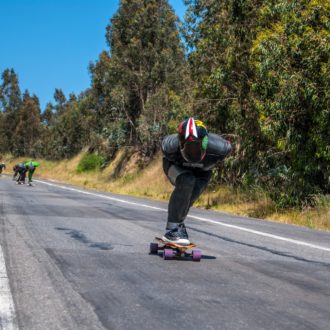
217 149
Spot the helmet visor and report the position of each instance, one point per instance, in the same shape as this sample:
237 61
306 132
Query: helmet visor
192 151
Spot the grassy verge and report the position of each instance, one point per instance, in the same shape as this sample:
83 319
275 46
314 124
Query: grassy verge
123 176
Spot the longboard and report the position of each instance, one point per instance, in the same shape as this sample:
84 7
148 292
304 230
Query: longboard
172 250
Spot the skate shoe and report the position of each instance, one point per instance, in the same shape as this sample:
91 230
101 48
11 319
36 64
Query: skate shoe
177 235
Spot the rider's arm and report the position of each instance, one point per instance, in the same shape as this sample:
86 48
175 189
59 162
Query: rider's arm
170 150
218 146
170 147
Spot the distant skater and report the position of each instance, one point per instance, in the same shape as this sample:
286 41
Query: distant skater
15 170
21 170
2 167
31 167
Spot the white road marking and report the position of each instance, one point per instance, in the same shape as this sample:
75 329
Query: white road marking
260 233
256 232
7 309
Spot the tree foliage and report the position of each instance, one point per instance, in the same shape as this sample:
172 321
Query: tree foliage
10 102
220 35
262 73
147 61
27 131
291 92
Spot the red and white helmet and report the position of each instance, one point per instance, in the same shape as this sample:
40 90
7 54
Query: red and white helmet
193 140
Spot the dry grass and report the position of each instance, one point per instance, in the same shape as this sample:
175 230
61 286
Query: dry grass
123 176
256 204
315 218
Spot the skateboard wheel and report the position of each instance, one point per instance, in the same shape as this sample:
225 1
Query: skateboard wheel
168 254
196 255
153 248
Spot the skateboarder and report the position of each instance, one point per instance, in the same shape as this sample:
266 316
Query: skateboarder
188 159
15 169
31 167
21 170
2 167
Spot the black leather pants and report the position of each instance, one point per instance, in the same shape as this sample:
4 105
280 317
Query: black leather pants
189 185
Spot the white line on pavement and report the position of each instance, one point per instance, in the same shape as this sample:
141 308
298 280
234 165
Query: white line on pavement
256 232
7 309
260 233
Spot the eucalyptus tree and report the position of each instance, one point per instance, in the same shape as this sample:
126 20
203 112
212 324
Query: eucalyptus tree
27 132
10 102
219 35
47 117
147 67
291 56
60 100
109 119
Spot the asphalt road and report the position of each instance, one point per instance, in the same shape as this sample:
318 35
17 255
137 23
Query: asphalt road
79 259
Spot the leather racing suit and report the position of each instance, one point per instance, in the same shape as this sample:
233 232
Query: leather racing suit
189 179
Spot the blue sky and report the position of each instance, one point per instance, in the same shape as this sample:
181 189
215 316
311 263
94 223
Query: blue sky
50 43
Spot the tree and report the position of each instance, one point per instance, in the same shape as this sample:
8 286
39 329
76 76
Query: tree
27 132
220 35
70 131
292 63
47 116
147 58
10 102
60 101
106 107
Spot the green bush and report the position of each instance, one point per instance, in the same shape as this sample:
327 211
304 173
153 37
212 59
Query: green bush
90 162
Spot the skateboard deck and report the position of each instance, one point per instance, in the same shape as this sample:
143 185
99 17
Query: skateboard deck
172 250
175 245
